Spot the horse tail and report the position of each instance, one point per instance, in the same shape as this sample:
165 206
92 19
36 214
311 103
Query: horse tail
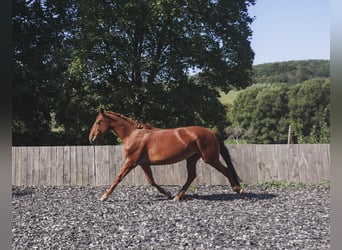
226 157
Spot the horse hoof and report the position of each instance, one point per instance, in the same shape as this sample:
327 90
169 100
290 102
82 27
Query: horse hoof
238 190
103 198
176 199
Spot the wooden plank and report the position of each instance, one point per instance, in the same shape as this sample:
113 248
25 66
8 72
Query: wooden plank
29 166
180 173
23 166
53 166
35 166
281 162
293 162
102 165
168 170
313 172
112 163
47 167
325 152
199 174
73 165
170 175
44 164
272 163
247 168
240 156
306 169
98 161
318 149
88 165
253 168
106 170
60 166
79 165
156 174
18 171
260 156
266 172
67 166
17 166
206 173
92 169
14 159
163 174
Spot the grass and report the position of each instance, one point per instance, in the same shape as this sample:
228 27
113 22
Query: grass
229 97
284 184
275 184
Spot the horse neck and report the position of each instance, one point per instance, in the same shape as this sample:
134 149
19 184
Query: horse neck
122 127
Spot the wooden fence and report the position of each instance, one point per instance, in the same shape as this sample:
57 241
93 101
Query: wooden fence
98 165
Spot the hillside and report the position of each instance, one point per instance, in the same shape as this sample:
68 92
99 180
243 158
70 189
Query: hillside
283 72
291 71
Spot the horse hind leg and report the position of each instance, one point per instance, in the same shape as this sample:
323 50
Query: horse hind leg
226 172
148 173
191 168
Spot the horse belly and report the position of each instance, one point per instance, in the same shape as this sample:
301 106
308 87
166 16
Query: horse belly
168 153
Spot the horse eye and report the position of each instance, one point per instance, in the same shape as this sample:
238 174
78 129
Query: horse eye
98 122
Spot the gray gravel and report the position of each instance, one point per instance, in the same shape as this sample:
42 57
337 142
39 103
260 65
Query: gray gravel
210 217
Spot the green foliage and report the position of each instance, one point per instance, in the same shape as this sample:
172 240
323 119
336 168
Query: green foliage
265 111
310 111
38 61
291 72
262 110
228 99
132 57
282 184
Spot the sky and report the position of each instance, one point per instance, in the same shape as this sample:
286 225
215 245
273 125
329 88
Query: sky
285 30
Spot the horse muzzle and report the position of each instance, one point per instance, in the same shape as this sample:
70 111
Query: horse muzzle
92 139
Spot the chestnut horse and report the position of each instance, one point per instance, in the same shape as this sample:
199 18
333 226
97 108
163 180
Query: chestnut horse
146 145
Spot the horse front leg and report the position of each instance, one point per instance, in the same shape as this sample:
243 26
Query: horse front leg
126 168
148 173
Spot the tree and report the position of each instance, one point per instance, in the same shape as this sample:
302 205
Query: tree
38 61
271 123
261 110
132 57
265 111
309 110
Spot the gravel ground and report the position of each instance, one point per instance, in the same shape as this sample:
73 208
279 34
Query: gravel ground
210 217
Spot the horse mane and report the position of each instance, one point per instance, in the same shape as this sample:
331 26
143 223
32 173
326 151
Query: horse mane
138 125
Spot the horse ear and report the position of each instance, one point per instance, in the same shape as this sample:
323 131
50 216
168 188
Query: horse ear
101 110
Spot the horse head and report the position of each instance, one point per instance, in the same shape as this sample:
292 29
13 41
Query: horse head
100 127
